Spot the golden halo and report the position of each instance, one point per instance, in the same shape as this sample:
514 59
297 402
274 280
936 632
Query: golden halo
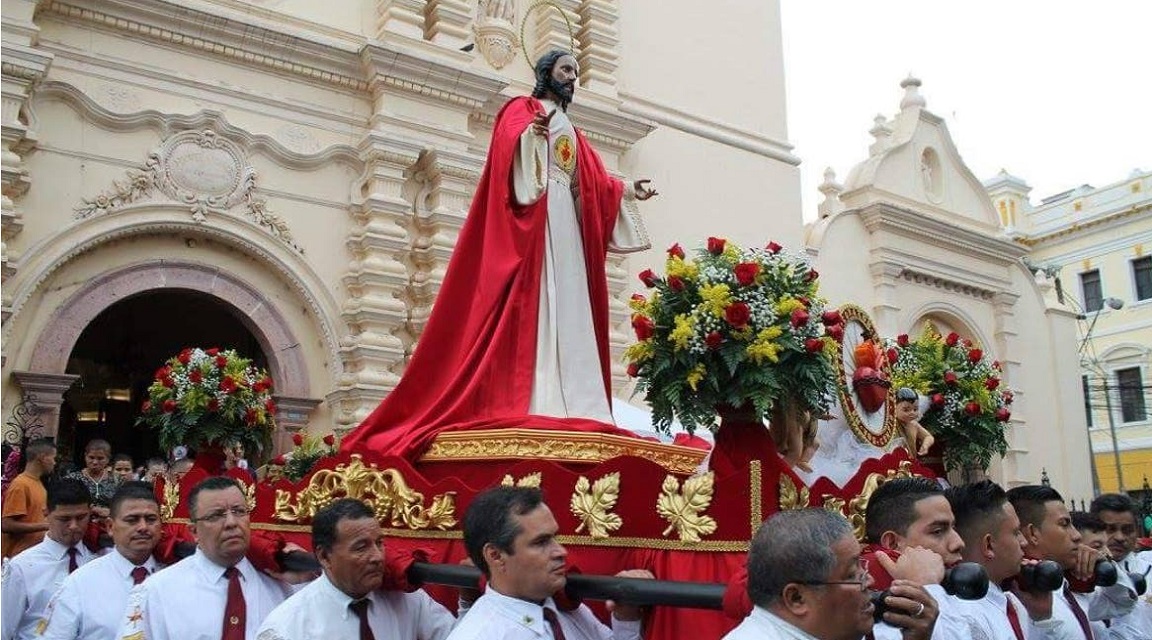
563 14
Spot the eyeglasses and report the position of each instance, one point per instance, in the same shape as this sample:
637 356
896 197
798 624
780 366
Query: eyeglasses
861 580
240 513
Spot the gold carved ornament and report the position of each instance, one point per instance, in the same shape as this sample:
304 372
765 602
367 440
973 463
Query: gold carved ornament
858 506
171 500
592 502
531 480
684 508
385 492
792 497
249 494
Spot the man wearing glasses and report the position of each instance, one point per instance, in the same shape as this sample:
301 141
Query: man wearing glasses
807 581
216 593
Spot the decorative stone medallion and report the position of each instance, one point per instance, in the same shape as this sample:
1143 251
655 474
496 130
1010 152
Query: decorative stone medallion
203 170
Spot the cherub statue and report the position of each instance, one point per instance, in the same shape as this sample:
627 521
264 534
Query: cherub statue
794 432
908 413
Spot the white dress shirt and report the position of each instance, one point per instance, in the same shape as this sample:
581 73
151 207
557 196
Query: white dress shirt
495 615
90 605
761 624
320 611
952 623
186 601
990 614
30 580
1137 624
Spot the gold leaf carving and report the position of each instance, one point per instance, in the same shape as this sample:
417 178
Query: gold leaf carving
593 502
530 480
385 492
684 508
250 495
171 500
834 504
790 496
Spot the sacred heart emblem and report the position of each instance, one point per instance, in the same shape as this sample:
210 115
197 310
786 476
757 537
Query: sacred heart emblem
871 387
565 153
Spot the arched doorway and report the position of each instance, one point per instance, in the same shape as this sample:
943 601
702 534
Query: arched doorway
118 352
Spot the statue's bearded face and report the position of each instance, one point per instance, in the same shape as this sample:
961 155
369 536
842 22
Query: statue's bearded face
563 79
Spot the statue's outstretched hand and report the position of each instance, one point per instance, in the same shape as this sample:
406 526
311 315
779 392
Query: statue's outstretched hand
540 123
642 190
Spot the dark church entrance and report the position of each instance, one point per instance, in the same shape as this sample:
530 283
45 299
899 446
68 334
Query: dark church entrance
119 352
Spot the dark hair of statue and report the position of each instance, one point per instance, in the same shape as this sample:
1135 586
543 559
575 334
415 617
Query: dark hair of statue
490 520
544 82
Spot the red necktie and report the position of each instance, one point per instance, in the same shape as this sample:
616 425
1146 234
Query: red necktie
554 622
235 610
1014 620
73 564
1078 612
139 574
360 608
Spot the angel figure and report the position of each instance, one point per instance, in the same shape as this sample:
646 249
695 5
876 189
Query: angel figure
908 413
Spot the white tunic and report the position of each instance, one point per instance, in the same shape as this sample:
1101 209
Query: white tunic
568 380
186 601
1136 625
31 578
764 625
320 611
990 615
91 603
495 615
952 623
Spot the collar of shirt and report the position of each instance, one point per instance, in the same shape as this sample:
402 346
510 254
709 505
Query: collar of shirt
213 573
124 566
1136 564
997 596
60 552
342 600
770 622
528 614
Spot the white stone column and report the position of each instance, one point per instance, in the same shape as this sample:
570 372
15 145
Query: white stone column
46 392
448 22
552 30
619 329
292 417
400 17
599 39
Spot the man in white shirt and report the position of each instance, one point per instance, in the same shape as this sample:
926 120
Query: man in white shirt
346 601
34 575
216 593
1049 535
807 581
1117 513
510 535
90 605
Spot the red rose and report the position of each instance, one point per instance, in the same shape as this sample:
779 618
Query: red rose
831 317
1003 414
811 275
938 400
746 273
952 339
972 408
813 345
266 382
1008 397
639 298
975 355
633 370
799 318
185 356
228 385
950 378
213 405
221 362
330 439
280 460
146 407
643 326
774 248
716 246
676 250
169 406
902 339
676 283
649 278
163 372
836 332
270 407
167 382
195 377
250 415
737 314
991 383
893 355
804 301
967 343
713 340
298 439
212 352
258 387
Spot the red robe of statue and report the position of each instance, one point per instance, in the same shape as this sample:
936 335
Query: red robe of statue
474 365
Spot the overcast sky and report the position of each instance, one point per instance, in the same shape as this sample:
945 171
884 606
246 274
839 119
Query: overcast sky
1057 93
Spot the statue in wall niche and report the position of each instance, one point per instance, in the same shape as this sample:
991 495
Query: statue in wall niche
518 336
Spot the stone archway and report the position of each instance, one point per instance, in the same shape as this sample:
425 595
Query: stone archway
45 379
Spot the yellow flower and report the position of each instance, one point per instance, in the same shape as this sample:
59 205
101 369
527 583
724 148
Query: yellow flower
787 305
677 266
639 351
683 332
742 334
716 297
763 347
696 375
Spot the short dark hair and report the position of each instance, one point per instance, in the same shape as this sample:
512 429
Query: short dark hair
134 490
1029 501
907 394
326 520
1085 521
975 507
489 520
37 448
892 506
122 457
68 492
98 444
1118 502
793 546
215 483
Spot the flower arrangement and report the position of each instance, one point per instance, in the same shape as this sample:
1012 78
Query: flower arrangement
734 326
967 407
210 397
306 452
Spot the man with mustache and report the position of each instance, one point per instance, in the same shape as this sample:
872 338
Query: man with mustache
346 601
1117 515
519 333
510 535
90 604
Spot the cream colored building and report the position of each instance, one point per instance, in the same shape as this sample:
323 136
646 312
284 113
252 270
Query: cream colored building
1098 242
